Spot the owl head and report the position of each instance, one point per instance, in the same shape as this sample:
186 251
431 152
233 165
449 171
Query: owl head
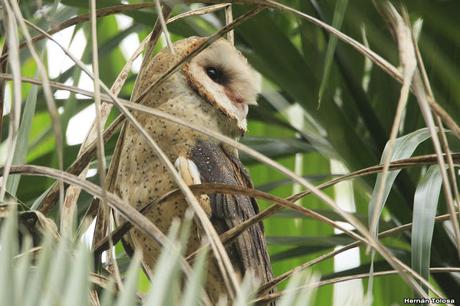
222 76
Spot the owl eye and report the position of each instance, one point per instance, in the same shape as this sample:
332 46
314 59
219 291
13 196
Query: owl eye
216 74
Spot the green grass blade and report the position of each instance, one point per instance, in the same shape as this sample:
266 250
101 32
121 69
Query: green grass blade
128 295
306 296
166 270
425 207
404 147
108 294
58 272
77 291
339 13
20 151
8 249
22 268
195 284
243 296
40 276
289 298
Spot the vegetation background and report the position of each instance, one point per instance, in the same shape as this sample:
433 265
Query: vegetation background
382 78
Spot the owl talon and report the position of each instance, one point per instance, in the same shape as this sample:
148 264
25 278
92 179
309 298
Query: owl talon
191 176
187 170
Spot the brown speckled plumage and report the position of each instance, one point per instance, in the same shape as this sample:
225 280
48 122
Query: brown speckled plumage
142 178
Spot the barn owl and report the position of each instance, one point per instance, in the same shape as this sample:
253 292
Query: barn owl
213 90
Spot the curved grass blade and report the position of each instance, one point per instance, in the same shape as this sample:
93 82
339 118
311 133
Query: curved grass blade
77 291
14 64
108 294
8 250
22 267
166 271
20 151
425 206
403 147
244 293
194 286
339 13
408 64
57 273
128 295
35 284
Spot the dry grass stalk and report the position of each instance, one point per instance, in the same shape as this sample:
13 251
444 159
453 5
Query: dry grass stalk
49 98
11 42
164 29
229 20
408 62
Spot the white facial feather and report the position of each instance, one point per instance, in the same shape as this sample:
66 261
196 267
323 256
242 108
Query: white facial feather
237 84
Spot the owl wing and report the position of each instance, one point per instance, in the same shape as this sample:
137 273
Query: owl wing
249 250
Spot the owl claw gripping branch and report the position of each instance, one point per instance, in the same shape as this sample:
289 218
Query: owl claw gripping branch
213 89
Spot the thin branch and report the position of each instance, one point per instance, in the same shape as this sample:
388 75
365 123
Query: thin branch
97 101
164 29
198 11
3 67
228 20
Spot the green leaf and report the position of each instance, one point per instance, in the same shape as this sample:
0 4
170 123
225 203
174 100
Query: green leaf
425 207
339 13
195 283
403 147
20 151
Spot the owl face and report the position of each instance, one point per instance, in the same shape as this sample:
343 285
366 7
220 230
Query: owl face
222 76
